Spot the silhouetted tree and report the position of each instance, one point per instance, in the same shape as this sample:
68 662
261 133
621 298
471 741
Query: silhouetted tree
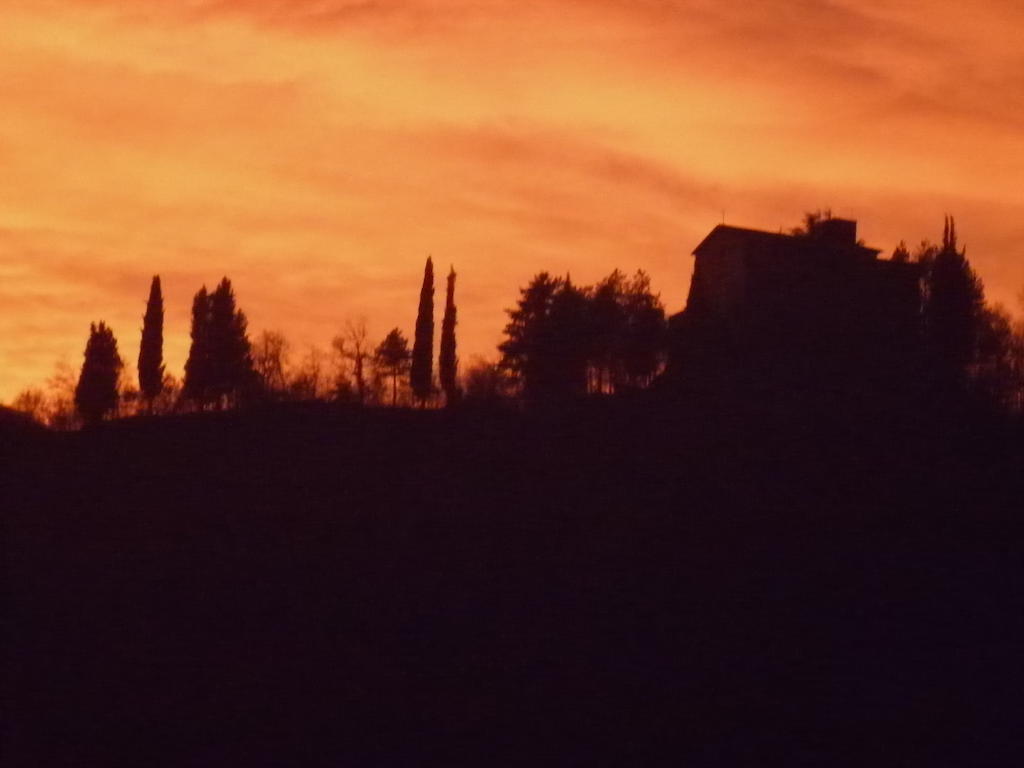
448 362
1018 366
270 355
196 387
33 403
340 382
354 347
151 348
997 368
484 381
563 340
924 255
628 332
566 355
308 379
645 336
60 390
128 395
96 393
167 400
954 305
421 374
392 359
231 368
811 221
901 255
219 369
527 335
607 331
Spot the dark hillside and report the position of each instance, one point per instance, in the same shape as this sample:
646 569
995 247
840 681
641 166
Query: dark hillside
16 428
612 584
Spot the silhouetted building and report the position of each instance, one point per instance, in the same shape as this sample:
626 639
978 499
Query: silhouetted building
813 308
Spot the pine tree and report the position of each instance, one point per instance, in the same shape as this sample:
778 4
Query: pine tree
608 321
563 340
197 368
392 359
96 393
448 362
566 353
421 375
527 335
231 368
220 367
548 338
151 366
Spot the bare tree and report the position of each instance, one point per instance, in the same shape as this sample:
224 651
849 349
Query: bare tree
340 380
307 380
354 346
271 352
33 402
60 389
167 400
129 401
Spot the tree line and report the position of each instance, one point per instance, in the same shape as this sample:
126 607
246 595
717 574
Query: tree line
966 343
226 369
562 340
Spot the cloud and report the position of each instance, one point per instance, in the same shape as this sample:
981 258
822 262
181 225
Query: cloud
317 151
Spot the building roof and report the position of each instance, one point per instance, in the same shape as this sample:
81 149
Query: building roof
724 236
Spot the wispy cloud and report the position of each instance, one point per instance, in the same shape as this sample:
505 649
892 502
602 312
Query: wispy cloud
317 150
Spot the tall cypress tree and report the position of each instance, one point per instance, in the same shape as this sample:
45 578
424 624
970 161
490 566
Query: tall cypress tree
96 393
448 362
197 368
421 375
151 349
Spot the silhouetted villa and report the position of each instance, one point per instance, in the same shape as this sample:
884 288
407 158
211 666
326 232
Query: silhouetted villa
814 304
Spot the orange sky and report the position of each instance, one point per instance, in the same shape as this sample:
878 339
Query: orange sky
316 151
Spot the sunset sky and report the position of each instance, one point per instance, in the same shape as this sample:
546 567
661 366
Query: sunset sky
316 151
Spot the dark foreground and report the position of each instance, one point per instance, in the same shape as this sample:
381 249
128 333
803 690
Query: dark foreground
619 585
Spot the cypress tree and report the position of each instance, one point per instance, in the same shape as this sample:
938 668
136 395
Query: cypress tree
953 308
197 368
151 349
448 362
96 393
421 376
